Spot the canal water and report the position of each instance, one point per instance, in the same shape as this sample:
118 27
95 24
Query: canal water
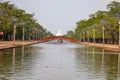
51 61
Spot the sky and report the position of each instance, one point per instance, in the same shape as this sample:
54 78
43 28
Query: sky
61 14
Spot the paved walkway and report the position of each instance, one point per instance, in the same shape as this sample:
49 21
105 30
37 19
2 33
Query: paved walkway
9 44
110 47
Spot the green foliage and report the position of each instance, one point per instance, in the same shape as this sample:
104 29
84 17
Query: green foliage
10 12
94 22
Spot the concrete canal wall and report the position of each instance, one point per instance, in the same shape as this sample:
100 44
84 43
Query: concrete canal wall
10 44
109 47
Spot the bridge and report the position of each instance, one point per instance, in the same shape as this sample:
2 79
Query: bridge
47 39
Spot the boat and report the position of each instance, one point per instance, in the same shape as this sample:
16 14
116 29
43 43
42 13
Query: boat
59 41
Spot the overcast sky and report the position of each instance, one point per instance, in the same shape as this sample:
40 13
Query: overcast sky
61 14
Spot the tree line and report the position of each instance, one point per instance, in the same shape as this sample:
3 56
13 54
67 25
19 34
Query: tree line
11 16
91 28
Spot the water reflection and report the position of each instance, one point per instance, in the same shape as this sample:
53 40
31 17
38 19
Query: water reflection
99 64
93 53
13 61
102 64
1 54
59 62
118 66
22 55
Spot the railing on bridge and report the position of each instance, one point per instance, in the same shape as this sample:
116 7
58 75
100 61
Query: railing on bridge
47 39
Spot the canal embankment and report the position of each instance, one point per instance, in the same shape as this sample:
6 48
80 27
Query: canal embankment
110 47
10 44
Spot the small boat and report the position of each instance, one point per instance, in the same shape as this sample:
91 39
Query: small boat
59 41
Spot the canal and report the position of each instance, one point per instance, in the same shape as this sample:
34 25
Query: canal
51 61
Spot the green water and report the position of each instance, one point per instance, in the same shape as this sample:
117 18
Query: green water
51 61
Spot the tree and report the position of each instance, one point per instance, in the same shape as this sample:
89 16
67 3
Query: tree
111 28
9 12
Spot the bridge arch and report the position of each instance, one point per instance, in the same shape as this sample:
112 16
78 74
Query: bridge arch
47 39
